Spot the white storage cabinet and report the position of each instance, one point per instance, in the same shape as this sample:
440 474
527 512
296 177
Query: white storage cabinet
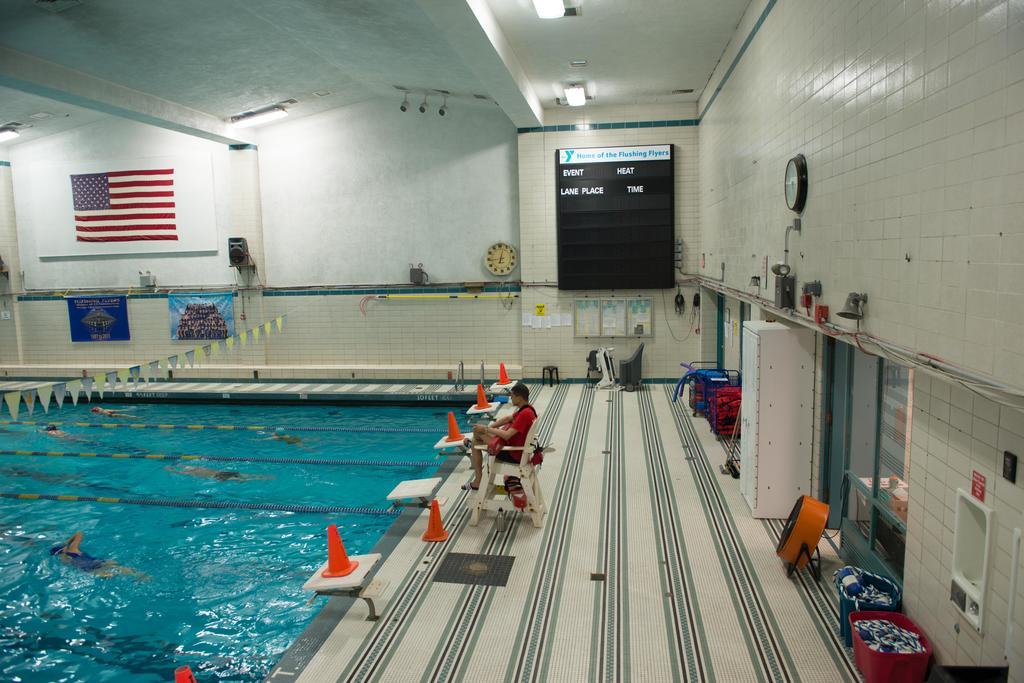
776 417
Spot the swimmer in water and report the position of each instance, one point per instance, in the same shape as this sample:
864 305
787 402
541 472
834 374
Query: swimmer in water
51 430
70 552
107 412
281 435
218 475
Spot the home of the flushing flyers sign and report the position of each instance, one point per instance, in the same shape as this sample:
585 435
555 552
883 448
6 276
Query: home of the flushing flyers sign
616 217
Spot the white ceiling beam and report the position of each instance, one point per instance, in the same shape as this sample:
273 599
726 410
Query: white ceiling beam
26 73
471 29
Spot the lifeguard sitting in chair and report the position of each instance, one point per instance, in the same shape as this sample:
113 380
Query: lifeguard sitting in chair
513 452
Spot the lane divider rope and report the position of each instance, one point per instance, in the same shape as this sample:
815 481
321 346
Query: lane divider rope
137 425
221 505
226 458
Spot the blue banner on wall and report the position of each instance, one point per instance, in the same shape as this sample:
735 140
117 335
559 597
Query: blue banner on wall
201 316
98 318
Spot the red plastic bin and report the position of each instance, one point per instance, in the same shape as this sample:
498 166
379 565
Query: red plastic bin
889 667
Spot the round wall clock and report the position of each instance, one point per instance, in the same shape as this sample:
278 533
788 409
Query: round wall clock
500 258
796 183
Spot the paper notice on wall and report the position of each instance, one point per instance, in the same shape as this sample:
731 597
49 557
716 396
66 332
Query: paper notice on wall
538 322
527 320
547 322
613 317
588 318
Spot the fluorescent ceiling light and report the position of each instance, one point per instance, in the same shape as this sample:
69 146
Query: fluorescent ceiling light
549 9
258 118
575 96
8 134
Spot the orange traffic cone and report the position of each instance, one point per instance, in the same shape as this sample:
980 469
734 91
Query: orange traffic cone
435 529
481 398
453 429
502 375
338 563
183 674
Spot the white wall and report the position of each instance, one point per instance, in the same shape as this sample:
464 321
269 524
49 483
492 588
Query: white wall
673 340
112 139
353 195
911 116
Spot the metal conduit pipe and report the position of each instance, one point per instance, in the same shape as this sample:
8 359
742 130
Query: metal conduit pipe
986 386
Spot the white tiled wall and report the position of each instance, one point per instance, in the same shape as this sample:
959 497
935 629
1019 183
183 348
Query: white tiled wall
911 116
954 433
12 283
321 331
670 344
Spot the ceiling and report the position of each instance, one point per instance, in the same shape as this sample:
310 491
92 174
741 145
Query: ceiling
192 64
638 51
19 107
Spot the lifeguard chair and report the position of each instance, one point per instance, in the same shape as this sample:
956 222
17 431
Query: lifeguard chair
492 495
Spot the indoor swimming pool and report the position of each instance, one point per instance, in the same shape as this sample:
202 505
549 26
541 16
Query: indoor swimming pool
218 589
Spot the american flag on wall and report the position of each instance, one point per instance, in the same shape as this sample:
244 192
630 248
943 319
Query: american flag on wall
124 206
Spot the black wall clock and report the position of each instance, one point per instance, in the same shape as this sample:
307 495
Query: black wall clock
796 183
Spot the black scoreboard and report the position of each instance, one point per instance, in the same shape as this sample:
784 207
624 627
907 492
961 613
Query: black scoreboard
616 217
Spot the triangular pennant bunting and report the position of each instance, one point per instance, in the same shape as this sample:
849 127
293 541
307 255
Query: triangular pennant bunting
111 382
123 375
74 388
215 349
229 343
266 327
135 372
244 337
154 370
172 362
45 392
279 321
255 334
88 384
59 392
190 358
30 399
13 401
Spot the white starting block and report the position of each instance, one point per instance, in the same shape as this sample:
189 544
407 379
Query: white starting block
445 445
502 388
412 489
491 409
351 585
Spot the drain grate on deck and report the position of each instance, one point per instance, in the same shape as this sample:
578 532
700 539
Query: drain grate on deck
474 569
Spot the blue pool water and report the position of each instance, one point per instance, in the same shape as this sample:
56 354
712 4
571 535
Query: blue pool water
223 587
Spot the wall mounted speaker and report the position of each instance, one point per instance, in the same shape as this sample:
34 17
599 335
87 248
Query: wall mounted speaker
799 539
238 252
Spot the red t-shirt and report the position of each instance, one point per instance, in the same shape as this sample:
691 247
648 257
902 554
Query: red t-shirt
521 422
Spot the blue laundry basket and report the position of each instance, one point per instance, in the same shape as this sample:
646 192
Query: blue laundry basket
849 604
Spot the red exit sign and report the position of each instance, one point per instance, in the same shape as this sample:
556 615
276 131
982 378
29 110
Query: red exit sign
978 485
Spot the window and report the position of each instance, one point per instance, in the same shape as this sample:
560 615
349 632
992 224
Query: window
877 463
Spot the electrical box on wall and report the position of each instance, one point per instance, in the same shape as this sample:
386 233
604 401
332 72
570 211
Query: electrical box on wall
785 291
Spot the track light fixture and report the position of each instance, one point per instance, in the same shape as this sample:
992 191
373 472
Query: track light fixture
444 108
256 118
405 103
423 107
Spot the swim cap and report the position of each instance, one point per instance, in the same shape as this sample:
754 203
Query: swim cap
279 431
51 428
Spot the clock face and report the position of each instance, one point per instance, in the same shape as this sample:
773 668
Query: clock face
796 183
501 258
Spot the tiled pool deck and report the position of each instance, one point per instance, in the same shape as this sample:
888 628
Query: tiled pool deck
648 568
